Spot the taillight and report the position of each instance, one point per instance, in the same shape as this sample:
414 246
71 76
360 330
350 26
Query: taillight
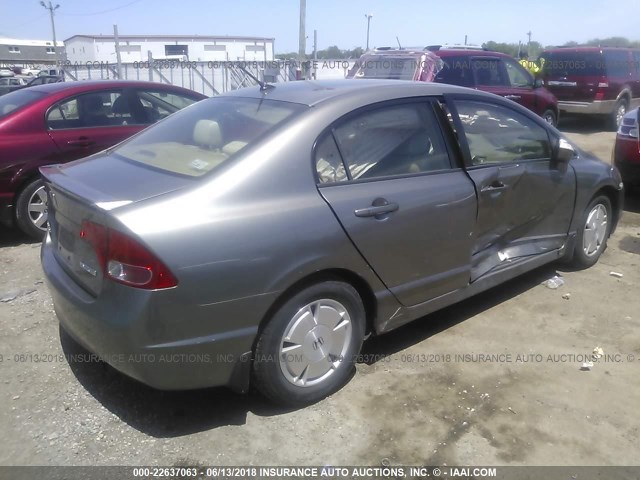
125 260
603 85
628 128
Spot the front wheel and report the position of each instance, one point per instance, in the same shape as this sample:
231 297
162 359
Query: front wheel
594 232
307 350
31 210
550 117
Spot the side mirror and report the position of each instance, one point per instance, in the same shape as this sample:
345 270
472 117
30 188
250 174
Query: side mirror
564 152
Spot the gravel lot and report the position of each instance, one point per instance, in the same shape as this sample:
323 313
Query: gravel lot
422 402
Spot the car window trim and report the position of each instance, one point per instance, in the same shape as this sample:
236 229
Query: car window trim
429 99
450 99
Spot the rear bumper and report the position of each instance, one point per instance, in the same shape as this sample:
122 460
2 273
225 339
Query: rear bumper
597 107
120 332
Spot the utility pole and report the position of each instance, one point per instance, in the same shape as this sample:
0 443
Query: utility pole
529 42
118 59
368 17
302 39
51 9
315 53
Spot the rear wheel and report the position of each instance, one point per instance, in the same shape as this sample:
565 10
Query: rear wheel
307 350
594 232
615 120
550 117
31 210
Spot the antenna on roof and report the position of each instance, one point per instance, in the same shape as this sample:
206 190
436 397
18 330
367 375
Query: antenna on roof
398 40
264 86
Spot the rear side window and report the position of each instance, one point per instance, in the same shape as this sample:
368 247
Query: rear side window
617 62
496 134
16 100
456 71
489 72
394 140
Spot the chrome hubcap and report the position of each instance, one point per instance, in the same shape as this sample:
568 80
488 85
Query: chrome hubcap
315 342
595 230
37 208
549 119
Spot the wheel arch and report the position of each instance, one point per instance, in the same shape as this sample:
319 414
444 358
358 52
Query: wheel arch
613 195
332 274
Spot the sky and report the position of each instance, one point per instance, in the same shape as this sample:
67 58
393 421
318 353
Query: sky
338 22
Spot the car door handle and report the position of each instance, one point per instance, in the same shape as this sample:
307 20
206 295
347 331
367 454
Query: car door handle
374 211
81 142
495 186
513 97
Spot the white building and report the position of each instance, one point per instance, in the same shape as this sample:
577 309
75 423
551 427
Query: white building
195 48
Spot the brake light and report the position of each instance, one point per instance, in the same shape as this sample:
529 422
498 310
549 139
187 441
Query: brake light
602 86
125 260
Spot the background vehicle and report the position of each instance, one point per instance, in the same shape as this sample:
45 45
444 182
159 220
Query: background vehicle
6 72
497 73
392 64
9 84
274 228
60 122
593 80
626 152
43 80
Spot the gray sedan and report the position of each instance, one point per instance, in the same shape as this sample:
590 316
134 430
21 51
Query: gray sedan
259 236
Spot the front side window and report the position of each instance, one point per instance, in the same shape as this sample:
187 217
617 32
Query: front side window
196 140
518 77
394 140
497 134
159 104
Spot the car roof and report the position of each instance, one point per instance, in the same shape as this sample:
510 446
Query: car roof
313 92
87 85
463 52
583 49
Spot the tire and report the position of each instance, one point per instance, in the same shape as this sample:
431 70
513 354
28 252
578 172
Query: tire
31 210
619 111
588 252
320 349
550 117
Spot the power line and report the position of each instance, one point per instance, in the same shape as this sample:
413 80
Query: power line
100 12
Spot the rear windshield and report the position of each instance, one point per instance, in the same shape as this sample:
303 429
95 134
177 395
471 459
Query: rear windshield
18 99
565 64
393 68
200 138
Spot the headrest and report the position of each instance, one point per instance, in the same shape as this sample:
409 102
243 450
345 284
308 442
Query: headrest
120 106
207 134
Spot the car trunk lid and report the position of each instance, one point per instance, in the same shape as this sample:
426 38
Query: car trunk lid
78 196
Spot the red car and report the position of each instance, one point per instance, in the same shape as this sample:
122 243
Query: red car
497 73
626 153
60 122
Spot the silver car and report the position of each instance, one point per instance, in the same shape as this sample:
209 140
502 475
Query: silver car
259 236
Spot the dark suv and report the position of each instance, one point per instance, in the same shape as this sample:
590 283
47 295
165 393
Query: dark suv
593 80
496 73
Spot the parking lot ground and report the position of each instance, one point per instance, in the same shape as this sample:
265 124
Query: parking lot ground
423 396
